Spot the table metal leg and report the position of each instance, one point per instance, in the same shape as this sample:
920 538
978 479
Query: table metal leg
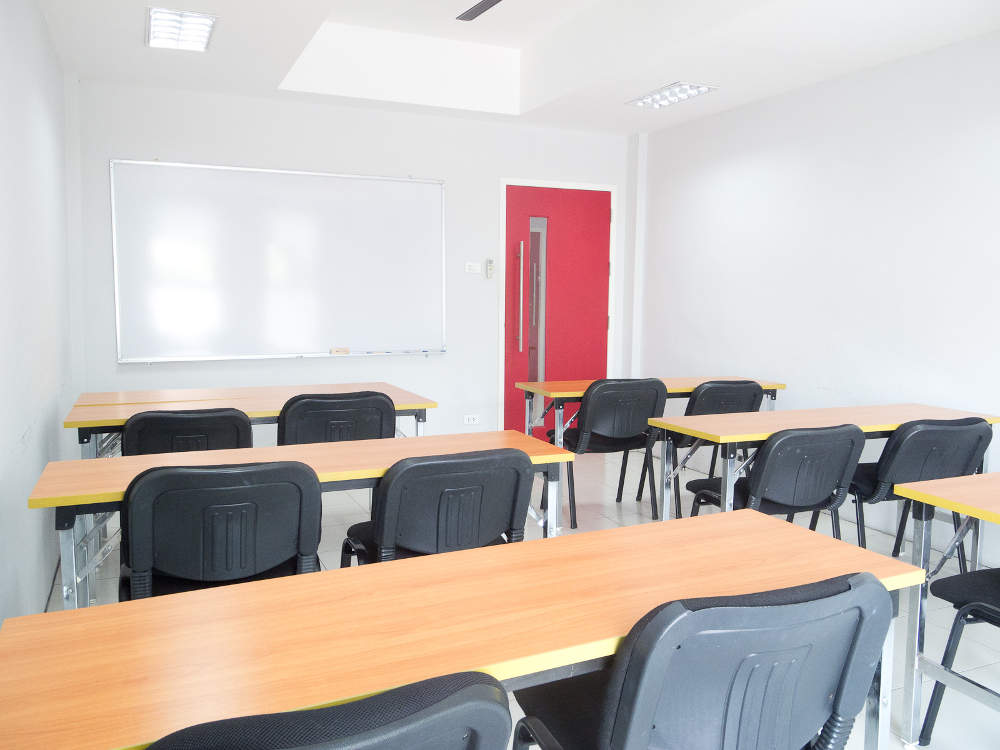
770 397
923 520
976 554
88 443
666 478
560 427
554 509
728 456
529 401
421 419
879 707
73 558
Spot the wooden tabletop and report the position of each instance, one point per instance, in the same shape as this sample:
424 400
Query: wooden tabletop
977 495
575 388
100 480
113 408
757 426
125 674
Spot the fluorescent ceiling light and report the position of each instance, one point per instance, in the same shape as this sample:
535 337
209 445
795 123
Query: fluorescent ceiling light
671 94
179 29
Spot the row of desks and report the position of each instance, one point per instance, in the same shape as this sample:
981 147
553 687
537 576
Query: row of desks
123 675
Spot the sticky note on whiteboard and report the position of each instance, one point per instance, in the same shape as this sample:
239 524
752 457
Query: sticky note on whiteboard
340 350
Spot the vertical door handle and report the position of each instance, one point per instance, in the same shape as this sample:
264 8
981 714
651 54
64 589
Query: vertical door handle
535 281
520 308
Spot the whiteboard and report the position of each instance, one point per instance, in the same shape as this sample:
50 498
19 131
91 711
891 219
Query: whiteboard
230 263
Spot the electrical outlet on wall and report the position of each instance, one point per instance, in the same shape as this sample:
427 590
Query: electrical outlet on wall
471 419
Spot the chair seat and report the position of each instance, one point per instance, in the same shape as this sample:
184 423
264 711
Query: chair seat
865 479
599 443
570 708
966 588
163 584
364 532
709 492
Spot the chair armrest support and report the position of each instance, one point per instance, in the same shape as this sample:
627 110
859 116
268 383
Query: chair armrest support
531 731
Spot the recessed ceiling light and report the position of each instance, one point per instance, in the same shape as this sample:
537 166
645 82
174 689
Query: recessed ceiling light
179 29
670 94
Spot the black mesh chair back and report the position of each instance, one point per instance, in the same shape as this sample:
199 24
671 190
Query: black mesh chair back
725 397
465 711
933 449
220 523
188 430
332 417
805 467
779 670
619 408
444 503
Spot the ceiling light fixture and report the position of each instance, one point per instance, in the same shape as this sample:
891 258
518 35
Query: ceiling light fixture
179 29
670 94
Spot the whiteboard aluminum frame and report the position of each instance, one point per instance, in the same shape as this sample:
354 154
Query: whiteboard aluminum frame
302 355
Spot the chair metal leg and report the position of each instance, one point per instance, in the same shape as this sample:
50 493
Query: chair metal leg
903 518
835 522
963 563
790 518
572 495
621 477
947 661
715 457
695 507
642 478
814 521
859 511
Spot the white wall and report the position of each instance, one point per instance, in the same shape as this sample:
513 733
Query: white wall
34 377
472 156
842 238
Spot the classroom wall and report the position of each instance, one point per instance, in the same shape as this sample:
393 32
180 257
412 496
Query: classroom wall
841 238
34 377
471 155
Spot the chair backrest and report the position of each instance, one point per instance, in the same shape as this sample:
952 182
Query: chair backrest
805 467
444 503
464 711
188 430
220 523
619 408
934 449
725 397
332 417
754 672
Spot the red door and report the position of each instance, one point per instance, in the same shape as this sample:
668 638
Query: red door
558 264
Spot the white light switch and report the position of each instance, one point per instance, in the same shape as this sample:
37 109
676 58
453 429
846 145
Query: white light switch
473 267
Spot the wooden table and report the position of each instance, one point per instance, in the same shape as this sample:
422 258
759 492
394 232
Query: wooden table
125 674
752 428
96 414
562 392
978 498
80 489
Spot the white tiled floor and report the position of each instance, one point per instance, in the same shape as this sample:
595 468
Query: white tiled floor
963 724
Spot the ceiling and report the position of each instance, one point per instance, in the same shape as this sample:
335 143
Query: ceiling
579 60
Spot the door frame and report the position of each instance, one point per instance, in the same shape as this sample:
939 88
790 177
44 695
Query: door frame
500 271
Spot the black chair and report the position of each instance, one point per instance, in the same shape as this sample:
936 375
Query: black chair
186 528
793 472
976 596
923 449
188 430
614 418
714 397
332 417
780 669
464 711
433 504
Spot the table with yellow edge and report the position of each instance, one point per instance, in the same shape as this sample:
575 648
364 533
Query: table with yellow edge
562 392
749 429
976 497
98 418
124 675
82 489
